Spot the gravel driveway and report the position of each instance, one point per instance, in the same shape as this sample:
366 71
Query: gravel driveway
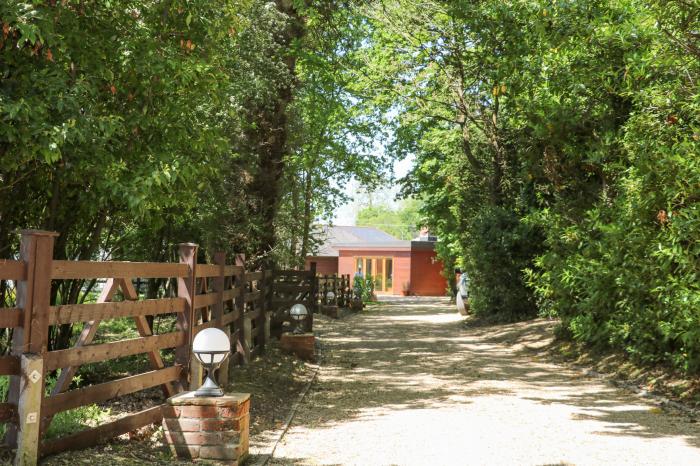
406 383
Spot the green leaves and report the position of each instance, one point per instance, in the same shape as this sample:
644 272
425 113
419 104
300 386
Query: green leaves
575 189
631 269
118 118
403 223
555 143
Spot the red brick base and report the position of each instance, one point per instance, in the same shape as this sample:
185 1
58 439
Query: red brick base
303 346
330 311
212 428
356 305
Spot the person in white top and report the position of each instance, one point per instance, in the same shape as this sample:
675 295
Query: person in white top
463 294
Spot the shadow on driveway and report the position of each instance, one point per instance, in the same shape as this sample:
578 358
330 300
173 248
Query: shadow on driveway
405 382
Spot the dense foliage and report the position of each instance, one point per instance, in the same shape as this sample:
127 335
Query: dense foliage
129 127
556 142
402 222
557 157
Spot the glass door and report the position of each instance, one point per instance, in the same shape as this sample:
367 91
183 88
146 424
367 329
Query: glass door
389 274
379 274
379 268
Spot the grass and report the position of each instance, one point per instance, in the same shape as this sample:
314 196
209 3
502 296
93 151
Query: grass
65 422
77 419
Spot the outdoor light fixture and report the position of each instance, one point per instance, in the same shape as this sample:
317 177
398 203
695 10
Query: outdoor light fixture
298 313
330 296
211 346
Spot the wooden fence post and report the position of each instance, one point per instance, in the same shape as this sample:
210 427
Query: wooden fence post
330 284
241 338
262 310
218 308
314 296
336 287
185 320
34 293
31 393
33 297
343 288
277 314
269 316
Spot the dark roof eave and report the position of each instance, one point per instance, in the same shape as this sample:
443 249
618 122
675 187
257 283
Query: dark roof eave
388 245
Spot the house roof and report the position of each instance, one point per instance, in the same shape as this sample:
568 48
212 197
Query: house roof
334 237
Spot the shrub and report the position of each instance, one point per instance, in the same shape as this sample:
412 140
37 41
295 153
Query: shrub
625 275
500 247
364 287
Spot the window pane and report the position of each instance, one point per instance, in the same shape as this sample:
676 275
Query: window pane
379 275
368 272
389 274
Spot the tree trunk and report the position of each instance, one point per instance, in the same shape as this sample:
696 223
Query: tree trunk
271 139
295 234
306 233
496 158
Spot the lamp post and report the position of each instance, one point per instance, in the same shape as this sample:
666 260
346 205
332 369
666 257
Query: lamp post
211 346
298 313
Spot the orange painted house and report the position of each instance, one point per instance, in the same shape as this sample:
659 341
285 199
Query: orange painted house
395 264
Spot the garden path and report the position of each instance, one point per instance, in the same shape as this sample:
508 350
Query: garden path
405 382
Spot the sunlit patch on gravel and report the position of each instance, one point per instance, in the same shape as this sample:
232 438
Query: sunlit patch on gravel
406 383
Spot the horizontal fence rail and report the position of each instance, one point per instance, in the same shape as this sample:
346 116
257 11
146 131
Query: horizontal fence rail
86 269
12 270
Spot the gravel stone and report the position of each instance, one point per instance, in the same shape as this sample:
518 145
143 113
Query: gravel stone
406 383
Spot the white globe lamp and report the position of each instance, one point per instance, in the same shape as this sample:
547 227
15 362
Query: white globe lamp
211 347
298 313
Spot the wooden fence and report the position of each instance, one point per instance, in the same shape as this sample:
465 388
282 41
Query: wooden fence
240 302
339 285
290 287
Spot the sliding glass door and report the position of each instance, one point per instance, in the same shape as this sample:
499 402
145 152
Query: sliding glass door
379 268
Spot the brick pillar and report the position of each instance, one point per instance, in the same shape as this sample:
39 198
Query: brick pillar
210 428
303 346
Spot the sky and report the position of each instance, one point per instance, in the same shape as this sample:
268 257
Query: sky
346 214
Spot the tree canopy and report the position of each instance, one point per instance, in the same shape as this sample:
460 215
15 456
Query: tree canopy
556 156
555 143
403 222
